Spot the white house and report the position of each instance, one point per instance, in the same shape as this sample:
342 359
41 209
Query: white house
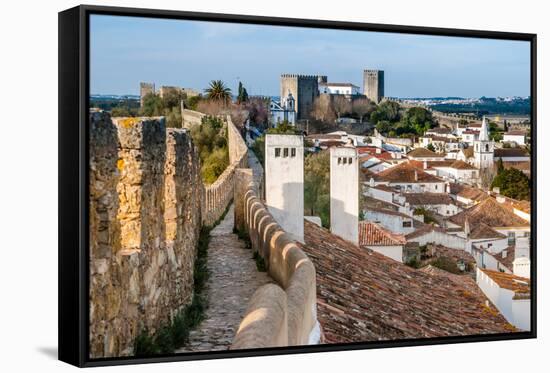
515 136
458 171
440 203
423 154
376 238
284 110
394 221
511 295
497 216
339 89
408 178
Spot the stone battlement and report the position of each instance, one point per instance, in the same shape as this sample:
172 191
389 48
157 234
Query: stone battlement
300 76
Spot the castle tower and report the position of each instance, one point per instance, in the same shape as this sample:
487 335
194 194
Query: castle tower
304 89
484 148
373 85
145 89
344 193
284 182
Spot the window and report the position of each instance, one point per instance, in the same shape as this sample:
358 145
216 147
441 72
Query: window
435 186
486 147
293 152
339 160
345 160
285 152
277 152
407 224
511 238
349 160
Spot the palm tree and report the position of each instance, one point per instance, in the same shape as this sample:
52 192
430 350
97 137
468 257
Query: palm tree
218 91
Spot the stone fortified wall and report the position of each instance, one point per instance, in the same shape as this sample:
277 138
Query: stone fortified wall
145 198
283 314
190 118
218 195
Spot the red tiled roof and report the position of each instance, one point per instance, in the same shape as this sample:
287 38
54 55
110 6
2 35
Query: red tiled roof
519 285
372 234
461 165
482 231
510 152
489 212
416 199
364 296
508 260
424 153
515 133
406 172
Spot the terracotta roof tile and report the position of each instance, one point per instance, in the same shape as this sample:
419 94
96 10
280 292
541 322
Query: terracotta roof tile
510 152
489 212
519 285
424 153
406 172
416 199
365 296
482 231
372 234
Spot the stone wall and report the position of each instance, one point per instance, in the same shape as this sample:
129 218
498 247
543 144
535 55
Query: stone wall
218 195
190 118
145 199
273 315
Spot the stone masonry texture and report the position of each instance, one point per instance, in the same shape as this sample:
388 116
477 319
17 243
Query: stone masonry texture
145 199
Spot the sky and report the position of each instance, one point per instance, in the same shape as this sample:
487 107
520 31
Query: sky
127 50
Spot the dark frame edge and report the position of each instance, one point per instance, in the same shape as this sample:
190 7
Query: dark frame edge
70 250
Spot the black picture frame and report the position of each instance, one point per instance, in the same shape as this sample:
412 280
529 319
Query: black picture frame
73 181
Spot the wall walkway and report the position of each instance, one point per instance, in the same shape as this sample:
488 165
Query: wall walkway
232 282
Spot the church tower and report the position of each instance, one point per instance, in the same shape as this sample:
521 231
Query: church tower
484 148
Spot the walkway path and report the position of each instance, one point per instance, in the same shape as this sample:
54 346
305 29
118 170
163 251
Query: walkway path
233 279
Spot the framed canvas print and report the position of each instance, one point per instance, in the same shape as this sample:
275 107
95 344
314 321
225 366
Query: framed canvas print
235 186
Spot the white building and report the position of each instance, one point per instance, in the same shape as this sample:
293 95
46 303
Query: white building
484 148
284 182
282 111
515 136
376 238
339 89
408 178
394 221
510 293
458 171
344 193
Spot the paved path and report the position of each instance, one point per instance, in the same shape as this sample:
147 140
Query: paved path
233 279
257 170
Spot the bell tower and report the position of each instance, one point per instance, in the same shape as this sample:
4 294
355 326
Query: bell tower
484 148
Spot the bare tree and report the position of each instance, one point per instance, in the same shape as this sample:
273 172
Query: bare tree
238 115
341 105
212 107
363 107
322 109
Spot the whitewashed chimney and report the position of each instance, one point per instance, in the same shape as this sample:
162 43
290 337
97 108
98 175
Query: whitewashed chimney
344 193
284 182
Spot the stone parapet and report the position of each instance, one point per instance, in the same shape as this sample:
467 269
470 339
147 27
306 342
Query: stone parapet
289 266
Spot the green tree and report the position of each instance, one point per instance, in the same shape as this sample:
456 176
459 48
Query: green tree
317 186
242 95
384 126
513 183
418 120
210 138
218 91
173 98
388 110
192 102
431 147
152 105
